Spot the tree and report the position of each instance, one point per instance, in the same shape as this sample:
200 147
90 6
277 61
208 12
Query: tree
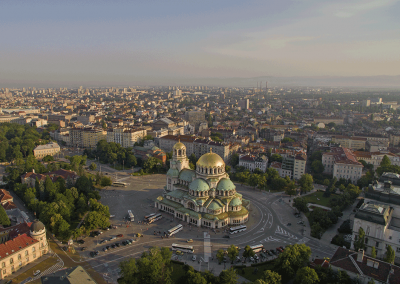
234 159
48 158
290 188
293 257
105 181
287 139
385 162
306 183
248 252
390 254
359 243
4 220
317 167
271 277
220 255
233 252
373 252
276 158
228 276
93 166
128 271
306 275
300 204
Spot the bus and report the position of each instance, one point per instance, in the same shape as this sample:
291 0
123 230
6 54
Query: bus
154 218
174 230
130 216
148 216
237 229
257 248
183 248
118 183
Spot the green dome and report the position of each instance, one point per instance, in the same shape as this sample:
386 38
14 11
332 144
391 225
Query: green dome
173 173
225 184
199 185
235 202
214 206
187 175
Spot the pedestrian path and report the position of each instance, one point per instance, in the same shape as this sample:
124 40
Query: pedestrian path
270 239
207 247
54 268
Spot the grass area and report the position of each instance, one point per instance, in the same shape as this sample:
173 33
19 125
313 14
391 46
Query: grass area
42 266
249 274
143 174
177 272
319 199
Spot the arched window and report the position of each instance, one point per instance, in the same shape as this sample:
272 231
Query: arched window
33 249
3 264
19 257
179 152
11 260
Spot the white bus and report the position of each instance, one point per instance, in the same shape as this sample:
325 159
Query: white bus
175 230
257 248
130 216
154 218
237 229
183 248
118 183
148 216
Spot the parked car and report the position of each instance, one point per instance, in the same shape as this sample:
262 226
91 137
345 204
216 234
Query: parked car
226 236
103 241
282 248
132 241
252 259
189 241
113 246
273 252
268 252
117 244
194 257
237 259
279 249
37 272
104 249
289 224
120 236
83 248
80 241
113 238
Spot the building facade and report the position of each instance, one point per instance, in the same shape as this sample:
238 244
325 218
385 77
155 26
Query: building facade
251 162
202 197
50 149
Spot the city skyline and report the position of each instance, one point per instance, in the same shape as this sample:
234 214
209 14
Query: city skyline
338 43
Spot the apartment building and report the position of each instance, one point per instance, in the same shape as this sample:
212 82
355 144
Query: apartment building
91 136
394 139
354 143
168 141
50 149
375 158
126 137
342 163
252 162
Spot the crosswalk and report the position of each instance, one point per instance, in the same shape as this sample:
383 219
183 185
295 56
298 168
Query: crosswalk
270 239
285 233
303 240
54 268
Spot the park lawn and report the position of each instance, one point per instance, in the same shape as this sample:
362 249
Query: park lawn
324 201
249 270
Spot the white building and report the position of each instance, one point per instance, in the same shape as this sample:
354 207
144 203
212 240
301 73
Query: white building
342 163
252 162
375 158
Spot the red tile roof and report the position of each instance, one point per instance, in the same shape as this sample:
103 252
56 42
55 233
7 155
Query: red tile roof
9 205
5 196
13 246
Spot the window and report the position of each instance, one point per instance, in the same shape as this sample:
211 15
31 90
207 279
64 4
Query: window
4 272
33 249
26 252
377 244
34 255
27 259
11 261
19 257
3 264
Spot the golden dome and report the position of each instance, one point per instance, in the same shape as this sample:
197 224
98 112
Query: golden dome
210 160
179 145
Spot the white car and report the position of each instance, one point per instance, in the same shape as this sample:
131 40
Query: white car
37 272
251 259
194 258
113 238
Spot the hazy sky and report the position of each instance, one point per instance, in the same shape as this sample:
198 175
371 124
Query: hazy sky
72 42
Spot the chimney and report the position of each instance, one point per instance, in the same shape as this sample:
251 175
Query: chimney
33 170
360 255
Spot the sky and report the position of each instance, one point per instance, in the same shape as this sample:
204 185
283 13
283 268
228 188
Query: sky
149 42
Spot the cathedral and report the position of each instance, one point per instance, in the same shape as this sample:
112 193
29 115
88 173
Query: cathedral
202 197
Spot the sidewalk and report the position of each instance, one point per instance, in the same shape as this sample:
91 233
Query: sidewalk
332 231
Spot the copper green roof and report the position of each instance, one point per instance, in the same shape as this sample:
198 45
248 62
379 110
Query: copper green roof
173 173
235 202
191 213
177 193
171 203
187 175
214 206
225 184
242 212
199 185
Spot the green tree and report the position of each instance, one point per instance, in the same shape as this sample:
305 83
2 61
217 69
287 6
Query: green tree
317 167
228 276
248 252
93 166
220 255
373 252
234 160
128 272
194 277
359 243
4 220
306 183
271 277
385 162
290 188
306 275
48 158
293 257
287 140
233 252
276 158
105 181
390 255
300 204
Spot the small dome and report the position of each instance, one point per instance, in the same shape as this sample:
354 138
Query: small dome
225 184
36 226
187 175
210 160
214 206
173 173
235 202
199 185
179 146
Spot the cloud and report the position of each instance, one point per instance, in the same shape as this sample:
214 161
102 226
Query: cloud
350 10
